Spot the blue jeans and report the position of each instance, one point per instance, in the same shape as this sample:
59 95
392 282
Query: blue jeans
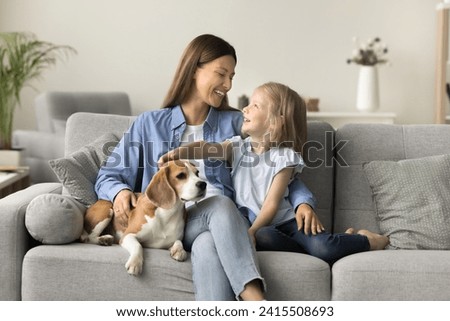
326 246
222 254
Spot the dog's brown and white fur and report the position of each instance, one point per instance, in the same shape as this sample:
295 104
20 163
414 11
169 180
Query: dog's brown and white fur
157 221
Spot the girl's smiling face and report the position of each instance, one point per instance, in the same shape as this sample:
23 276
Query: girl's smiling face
256 116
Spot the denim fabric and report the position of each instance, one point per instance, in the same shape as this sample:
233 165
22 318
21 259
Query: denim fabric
223 257
326 246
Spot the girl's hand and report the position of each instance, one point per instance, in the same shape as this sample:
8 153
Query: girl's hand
124 201
167 157
308 220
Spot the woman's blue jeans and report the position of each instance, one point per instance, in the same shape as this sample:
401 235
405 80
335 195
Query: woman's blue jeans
223 256
326 246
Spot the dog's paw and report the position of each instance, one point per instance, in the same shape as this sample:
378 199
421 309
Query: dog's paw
134 265
179 255
177 252
84 238
106 240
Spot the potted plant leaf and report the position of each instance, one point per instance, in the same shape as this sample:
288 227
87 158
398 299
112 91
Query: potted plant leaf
23 58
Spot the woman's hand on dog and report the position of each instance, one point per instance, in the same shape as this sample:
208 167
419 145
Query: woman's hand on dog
124 201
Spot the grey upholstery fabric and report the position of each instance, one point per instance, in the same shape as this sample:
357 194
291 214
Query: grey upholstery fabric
82 128
412 201
55 219
295 276
78 171
392 276
102 270
318 174
52 110
353 204
389 274
14 238
38 149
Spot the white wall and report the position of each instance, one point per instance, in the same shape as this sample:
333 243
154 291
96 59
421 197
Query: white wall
134 46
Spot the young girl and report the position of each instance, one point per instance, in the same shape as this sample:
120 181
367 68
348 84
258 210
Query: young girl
263 165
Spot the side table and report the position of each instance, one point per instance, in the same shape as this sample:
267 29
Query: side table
14 180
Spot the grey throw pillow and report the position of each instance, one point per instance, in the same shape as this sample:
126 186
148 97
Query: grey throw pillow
78 172
54 219
412 200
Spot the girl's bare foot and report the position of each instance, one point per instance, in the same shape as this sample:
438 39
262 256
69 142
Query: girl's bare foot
350 230
252 291
376 241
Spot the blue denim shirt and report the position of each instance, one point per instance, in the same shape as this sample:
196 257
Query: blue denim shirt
153 134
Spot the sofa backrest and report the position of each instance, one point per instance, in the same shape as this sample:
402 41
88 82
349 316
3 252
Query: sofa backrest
319 172
53 108
367 142
83 128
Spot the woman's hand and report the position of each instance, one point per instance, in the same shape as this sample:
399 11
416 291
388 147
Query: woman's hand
251 233
124 201
308 220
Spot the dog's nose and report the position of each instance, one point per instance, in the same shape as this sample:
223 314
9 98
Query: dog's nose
201 185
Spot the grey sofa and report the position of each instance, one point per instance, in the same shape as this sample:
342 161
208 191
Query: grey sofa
52 109
33 271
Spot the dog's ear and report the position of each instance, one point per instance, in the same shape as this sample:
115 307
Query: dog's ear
159 191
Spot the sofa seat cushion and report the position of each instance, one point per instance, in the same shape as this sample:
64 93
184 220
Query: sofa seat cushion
90 272
295 276
412 201
416 275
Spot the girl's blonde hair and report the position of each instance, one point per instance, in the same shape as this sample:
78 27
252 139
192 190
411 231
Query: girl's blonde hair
287 116
201 50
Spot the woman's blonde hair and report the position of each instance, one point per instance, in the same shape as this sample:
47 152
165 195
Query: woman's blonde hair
201 50
287 116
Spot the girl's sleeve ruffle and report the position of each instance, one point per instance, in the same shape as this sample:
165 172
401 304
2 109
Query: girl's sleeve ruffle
289 158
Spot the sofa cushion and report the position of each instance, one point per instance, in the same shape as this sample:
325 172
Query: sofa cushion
404 275
54 219
78 171
412 200
79 266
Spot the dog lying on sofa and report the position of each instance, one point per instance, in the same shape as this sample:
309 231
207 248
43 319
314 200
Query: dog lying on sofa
157 221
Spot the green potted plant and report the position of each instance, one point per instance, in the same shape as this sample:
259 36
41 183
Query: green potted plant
23 58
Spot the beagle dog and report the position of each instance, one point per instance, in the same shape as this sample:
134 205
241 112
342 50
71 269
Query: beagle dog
157 221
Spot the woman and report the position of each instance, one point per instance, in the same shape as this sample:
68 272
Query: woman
196 107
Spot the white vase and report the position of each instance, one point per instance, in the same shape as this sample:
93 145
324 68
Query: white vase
367 99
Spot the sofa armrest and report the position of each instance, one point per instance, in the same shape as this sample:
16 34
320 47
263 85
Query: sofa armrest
39 144
39 148
14 238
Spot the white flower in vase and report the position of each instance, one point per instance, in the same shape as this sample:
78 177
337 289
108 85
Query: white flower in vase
368 55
